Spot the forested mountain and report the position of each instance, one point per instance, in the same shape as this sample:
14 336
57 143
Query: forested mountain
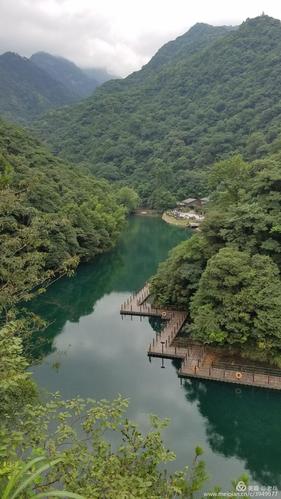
26 91
210 93
66 72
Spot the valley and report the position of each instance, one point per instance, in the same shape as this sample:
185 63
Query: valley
140 287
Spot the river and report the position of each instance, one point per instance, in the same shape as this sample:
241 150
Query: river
89 350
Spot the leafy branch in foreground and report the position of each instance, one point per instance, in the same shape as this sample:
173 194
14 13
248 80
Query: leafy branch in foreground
90 448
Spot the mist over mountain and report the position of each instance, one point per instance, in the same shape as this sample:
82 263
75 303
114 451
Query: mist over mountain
66 72
99 75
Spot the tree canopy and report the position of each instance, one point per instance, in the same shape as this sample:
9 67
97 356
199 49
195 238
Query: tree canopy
238 300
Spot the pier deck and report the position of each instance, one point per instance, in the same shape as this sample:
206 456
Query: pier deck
196 362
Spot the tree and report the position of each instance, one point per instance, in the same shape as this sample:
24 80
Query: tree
161 199
129 198
256 146
253 224
227 180
178 277
238 302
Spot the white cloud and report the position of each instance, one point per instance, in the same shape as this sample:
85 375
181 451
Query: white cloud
120 35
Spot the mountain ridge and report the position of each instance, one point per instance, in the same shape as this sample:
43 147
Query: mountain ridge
193 40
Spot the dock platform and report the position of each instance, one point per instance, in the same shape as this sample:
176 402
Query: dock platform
195 361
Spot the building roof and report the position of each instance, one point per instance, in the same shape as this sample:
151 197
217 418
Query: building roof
189 200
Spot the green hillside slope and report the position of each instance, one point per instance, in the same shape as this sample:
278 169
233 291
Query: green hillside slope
64 214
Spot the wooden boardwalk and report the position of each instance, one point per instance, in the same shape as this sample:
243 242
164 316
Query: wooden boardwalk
196 362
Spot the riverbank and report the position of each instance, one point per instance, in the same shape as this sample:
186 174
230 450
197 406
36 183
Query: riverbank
174 221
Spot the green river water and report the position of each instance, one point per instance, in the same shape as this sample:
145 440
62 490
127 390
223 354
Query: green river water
89 350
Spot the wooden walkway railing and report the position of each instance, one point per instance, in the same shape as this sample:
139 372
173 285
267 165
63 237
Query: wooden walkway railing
230 376
161 346
195 362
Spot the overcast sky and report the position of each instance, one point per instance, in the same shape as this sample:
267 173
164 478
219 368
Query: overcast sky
120 35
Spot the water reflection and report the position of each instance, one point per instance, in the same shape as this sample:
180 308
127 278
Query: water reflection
242 422
145 242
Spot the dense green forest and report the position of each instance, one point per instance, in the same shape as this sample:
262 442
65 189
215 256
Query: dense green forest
212 92
66 214
227 276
